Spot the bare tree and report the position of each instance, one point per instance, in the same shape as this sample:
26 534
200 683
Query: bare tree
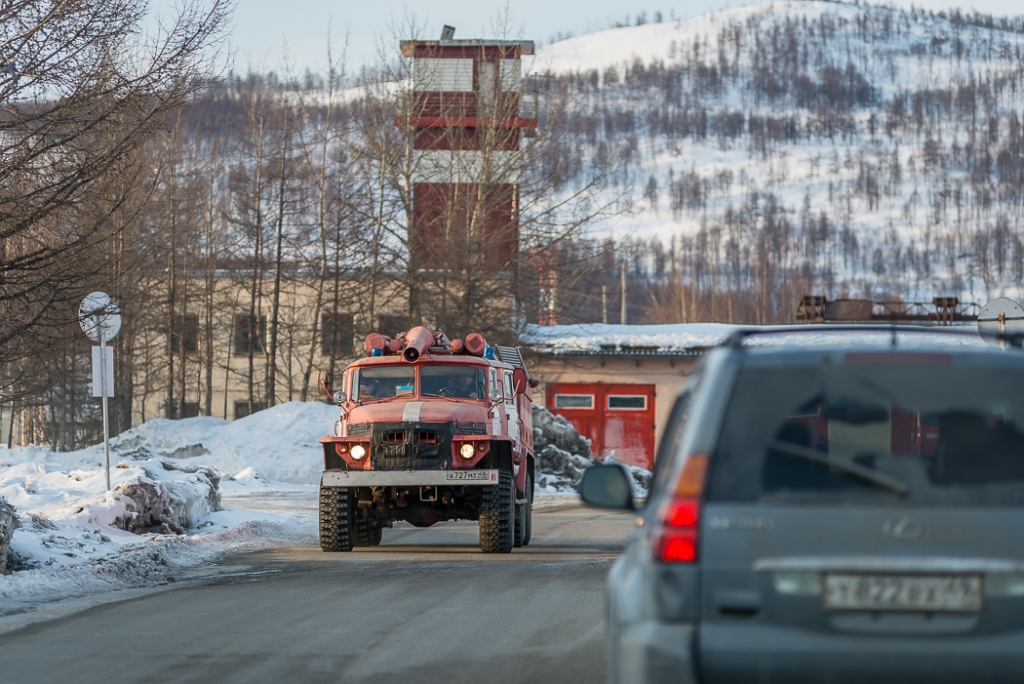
85 89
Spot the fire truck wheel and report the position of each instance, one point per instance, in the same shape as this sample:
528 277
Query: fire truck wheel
366 532
528 518
336 512
497 515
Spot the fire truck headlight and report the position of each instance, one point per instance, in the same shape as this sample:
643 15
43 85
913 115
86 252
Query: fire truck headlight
467 451
358 451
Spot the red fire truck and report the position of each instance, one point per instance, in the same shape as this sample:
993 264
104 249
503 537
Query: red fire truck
431 430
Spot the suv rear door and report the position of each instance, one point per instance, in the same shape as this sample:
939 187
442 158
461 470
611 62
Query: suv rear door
904 560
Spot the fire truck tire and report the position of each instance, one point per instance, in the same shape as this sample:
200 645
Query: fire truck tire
336 513
367 532
497 515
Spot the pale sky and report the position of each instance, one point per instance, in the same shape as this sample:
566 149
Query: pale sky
262 28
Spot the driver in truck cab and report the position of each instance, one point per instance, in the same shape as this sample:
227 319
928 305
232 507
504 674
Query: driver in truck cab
465 381
367 388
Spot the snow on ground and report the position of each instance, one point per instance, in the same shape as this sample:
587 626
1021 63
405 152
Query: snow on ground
227 487
70 541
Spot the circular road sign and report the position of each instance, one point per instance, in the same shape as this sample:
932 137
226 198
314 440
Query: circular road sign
98 314
1001 315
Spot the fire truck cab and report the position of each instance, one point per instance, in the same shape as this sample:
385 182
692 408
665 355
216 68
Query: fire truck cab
431 430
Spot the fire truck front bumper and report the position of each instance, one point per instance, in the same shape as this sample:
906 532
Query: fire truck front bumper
409 478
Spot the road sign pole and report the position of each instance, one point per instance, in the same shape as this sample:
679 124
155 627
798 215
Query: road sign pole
101 321
103 392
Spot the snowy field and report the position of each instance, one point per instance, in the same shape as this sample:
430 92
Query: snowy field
214 488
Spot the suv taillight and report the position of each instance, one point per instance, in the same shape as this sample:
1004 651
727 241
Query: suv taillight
676 538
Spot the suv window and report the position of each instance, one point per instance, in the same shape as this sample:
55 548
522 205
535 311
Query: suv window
899 432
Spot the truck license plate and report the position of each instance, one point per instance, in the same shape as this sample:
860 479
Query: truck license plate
917 593
471 475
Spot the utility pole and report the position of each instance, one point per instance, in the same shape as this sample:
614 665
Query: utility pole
622 274
604 304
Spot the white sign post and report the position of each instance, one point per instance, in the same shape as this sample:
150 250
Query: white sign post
101 321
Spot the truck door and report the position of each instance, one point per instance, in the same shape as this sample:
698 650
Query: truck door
511 411
495 411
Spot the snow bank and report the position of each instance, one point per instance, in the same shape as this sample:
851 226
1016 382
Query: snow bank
128 561
562 453
8 522
279 443
168 506
163 514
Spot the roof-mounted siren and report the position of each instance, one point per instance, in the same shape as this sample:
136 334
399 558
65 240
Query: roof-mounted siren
381 345
448 32
476 345
417 342
1001 316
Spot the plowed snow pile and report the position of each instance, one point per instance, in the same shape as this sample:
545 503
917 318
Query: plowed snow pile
164 514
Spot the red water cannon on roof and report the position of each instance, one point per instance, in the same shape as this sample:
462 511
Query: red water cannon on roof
420 340
417 342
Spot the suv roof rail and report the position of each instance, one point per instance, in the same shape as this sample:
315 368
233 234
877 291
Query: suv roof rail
736 338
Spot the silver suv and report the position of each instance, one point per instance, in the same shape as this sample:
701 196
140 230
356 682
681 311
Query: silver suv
828 514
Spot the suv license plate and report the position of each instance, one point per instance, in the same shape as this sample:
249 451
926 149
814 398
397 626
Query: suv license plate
908 593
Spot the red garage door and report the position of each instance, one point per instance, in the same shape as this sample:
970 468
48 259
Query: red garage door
618 419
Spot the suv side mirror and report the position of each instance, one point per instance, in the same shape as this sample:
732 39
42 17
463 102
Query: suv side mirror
607 486
519 380
323 381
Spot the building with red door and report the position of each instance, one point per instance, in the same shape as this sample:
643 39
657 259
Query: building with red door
463 117
616 383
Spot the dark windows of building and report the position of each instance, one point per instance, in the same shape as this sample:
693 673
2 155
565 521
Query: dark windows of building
242 408
177 409
574 401
627 402
250 333
337 331
393 324
184 334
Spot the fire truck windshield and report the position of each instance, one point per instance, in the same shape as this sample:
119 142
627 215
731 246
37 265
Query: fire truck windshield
461 382
382 382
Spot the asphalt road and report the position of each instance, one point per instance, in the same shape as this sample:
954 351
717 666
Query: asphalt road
425 606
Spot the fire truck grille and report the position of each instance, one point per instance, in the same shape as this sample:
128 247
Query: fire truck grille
410 446
471 428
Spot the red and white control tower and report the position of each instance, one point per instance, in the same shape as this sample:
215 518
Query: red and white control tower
464 119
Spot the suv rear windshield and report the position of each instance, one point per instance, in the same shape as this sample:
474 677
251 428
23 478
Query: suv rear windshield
905 433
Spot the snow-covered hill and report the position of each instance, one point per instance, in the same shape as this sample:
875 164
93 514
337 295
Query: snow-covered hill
867 151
